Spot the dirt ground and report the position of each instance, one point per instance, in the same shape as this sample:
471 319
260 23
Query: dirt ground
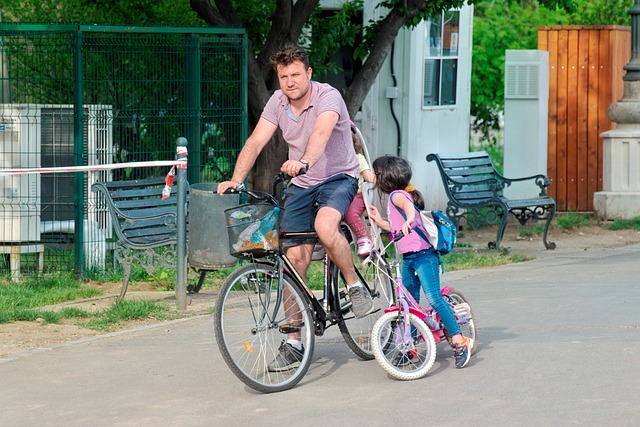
20 337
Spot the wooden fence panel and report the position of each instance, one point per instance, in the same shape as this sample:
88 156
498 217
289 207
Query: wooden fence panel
594 152
552 139
582 94
585 77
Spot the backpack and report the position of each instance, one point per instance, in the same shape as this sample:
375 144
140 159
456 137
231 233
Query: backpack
440 231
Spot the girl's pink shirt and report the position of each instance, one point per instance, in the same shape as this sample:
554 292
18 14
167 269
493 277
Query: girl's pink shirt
413 242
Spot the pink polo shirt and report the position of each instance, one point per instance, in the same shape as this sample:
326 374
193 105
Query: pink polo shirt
339 155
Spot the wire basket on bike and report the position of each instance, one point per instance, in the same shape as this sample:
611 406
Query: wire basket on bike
253 230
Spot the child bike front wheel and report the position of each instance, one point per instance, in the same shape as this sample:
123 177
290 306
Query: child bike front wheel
405 355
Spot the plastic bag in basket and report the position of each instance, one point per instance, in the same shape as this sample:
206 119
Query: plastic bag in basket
260 235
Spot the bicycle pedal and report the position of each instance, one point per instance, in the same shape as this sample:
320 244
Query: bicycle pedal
462 310
289 328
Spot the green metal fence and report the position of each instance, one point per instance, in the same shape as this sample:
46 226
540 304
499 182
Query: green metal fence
81 95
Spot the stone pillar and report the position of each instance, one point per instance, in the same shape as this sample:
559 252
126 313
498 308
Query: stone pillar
620 198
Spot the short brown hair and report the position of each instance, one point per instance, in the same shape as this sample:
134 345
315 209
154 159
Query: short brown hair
288 54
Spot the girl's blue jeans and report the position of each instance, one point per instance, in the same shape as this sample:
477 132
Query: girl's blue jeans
423 268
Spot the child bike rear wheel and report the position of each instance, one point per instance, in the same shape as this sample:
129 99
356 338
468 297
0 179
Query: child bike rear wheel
468 325
402 358
251 327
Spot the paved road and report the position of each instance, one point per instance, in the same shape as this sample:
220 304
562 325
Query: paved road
559 345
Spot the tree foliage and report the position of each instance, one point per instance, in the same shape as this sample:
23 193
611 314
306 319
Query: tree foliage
512 24
111 12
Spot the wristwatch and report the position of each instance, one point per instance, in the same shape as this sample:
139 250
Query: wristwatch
304 162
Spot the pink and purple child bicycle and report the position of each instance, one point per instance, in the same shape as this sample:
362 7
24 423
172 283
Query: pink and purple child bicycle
404 339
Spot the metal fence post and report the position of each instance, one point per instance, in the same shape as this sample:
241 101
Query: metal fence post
181 262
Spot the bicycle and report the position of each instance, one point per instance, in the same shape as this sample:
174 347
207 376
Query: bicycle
250 319
404 338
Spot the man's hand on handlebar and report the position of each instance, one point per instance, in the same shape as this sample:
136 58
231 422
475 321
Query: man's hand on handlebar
293 168
224 186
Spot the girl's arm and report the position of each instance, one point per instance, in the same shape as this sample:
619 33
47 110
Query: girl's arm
377 218
402 202
368 176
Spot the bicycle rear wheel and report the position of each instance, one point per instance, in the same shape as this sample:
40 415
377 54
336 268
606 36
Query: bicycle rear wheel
464 315
402 358
251 325
376 275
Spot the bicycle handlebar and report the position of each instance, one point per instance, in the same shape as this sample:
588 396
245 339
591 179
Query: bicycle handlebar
394 236
280 178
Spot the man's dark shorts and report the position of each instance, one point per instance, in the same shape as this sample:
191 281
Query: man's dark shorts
302 204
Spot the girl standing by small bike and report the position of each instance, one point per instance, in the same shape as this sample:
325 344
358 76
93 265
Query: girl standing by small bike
420 263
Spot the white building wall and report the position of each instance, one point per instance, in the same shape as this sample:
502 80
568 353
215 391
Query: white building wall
422 130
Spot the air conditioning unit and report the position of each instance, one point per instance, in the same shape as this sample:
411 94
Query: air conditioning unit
19 194
526 100
42 135
58 135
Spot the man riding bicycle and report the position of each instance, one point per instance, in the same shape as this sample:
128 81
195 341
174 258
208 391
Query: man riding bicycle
315 124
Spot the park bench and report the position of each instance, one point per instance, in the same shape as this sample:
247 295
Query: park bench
143 222
476 192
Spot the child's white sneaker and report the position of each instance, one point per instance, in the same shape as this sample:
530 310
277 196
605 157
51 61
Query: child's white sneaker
364 246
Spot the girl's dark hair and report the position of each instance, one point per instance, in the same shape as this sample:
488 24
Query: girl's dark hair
288 54
394 173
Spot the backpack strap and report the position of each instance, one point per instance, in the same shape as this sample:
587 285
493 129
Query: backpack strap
417 229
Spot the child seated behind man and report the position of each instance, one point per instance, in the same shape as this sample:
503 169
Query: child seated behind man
353 217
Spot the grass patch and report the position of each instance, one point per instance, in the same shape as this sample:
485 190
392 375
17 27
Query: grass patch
28 315
214 278
468 260
573 220
122 311
625 224
21 301
531 231
315 275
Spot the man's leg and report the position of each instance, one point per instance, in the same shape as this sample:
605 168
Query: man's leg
300 257
327 226
292 350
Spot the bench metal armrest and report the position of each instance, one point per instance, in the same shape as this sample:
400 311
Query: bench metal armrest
542 181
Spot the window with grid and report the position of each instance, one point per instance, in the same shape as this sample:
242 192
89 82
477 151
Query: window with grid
441 59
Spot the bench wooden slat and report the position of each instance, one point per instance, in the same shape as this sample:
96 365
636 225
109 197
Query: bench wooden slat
146 206
133 183
148 193
148 235
483 172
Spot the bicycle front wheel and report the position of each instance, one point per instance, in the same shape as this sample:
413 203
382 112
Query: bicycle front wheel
253 318
404 352
376 276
